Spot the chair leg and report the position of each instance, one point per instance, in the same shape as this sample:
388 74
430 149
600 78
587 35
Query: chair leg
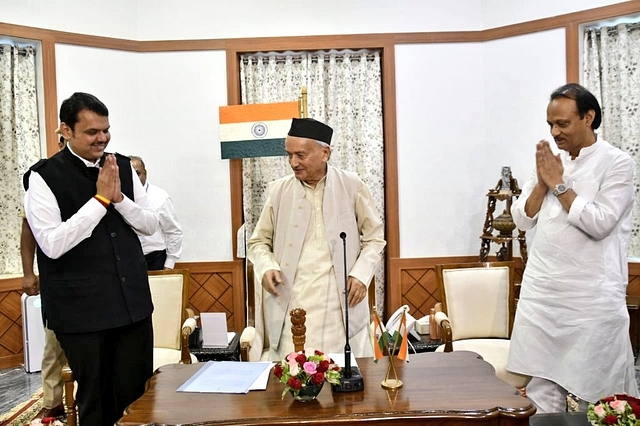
69 397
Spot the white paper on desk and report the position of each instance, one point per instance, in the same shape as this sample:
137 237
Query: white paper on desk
339 359
263 380
214 329
225 377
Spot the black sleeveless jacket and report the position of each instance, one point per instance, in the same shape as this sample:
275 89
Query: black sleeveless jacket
102 282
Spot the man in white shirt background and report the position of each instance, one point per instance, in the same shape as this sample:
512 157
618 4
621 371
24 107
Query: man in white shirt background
162 249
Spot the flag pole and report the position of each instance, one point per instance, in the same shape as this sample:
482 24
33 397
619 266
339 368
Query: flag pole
393 382
302 102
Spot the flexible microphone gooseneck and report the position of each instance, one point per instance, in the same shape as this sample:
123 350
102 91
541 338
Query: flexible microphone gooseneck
351 380
347 346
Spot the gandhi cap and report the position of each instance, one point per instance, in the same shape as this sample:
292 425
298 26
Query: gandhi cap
311 129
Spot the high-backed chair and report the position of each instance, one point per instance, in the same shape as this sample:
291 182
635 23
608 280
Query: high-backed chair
253 346
478 312
173 322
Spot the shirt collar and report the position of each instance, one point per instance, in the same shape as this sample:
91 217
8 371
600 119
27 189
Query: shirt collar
86 163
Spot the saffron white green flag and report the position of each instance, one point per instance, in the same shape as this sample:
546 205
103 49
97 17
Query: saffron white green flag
255 130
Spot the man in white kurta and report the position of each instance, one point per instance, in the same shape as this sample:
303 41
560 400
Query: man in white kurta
298 253
571 332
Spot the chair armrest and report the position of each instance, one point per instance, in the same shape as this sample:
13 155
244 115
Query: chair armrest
69 396
447 335
246 342
188 327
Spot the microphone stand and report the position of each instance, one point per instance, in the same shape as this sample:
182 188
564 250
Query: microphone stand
351 380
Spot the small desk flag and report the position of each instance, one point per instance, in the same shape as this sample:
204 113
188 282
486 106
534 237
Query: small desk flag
380 338
255 130
403 352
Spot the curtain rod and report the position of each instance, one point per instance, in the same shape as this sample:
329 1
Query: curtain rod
299 56
629 26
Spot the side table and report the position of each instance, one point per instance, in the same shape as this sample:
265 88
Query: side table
230 353
425 344
633 306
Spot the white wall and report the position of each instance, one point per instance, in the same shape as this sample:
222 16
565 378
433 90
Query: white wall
498 13
440 104
193 19
113 18
259 18
164 108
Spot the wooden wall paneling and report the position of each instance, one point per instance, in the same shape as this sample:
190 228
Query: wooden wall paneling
218 287
234 97
50 95
11 340
413 282
633 288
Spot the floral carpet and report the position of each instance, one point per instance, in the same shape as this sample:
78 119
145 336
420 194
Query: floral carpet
23 414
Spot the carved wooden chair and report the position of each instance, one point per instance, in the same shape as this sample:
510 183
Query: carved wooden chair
252 343
173 322
478 312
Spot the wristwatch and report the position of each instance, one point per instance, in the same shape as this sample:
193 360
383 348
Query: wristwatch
560 189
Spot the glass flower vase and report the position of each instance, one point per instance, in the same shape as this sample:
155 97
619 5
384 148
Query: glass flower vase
307 393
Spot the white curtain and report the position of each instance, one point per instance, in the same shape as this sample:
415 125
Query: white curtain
612 73
345 91
19 145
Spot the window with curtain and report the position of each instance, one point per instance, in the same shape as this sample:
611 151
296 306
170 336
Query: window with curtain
345 91
611 71
19 144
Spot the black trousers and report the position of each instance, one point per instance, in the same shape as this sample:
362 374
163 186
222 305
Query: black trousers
111 368
155 260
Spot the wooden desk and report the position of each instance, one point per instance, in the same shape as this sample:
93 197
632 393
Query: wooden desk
448 389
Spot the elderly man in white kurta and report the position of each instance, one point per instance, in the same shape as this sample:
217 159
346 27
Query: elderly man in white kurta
571 332
298 254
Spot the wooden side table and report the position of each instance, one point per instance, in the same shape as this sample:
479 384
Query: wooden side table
230 353
633 305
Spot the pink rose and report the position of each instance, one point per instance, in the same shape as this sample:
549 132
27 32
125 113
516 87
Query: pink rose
291 356
599 411
618 406
293 367
309 367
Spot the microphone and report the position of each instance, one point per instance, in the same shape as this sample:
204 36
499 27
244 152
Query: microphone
351 380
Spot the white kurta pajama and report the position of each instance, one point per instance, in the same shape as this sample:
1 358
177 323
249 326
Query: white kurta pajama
572 324
298 233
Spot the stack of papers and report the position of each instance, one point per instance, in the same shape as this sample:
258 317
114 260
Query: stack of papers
229 377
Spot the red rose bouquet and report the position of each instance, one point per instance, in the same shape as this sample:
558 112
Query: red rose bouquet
619 409
306 368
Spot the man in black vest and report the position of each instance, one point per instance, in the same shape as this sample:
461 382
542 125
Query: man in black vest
84 207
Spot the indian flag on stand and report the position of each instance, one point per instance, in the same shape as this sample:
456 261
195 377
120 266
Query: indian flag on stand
255 130
403 352
380 338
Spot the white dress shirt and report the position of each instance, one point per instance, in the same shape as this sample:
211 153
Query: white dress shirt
56 237
169 234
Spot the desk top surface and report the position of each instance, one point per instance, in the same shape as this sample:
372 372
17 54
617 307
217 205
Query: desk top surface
437 386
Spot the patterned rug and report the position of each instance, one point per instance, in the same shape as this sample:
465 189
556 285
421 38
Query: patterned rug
24 413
